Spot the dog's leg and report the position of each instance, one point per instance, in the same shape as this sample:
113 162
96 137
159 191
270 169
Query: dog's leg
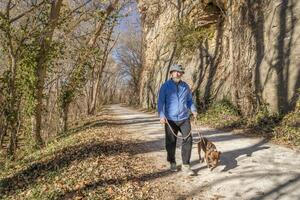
207 160
199 152
202 160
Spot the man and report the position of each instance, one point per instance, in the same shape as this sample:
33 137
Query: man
174 105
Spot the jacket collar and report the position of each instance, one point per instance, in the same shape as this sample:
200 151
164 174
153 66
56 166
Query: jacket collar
176 83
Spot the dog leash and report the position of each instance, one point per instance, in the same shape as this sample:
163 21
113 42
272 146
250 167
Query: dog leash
183 138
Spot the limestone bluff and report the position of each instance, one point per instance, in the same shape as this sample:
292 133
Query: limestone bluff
252 57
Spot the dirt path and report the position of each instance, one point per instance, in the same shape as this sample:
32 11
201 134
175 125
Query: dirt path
250 168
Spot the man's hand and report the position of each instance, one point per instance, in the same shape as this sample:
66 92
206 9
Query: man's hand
163 120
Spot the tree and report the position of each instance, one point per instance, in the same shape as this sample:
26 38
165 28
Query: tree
18 28
94 86
77 78
41 68
129 59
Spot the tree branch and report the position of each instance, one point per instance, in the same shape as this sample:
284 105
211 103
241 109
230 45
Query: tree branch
8 9
88 1
26 12
101 23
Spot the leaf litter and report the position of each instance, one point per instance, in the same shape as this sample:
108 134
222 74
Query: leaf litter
99 162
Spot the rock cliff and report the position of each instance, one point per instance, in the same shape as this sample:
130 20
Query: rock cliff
247 51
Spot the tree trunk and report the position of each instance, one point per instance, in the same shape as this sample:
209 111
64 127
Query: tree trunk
96 87
3 128
64 119
13 115
12 147
41 70
170 61
94 96
95 90
38 111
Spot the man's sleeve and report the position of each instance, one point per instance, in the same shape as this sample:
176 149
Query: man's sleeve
190 102
161 102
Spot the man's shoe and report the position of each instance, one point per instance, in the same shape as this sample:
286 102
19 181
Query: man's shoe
187 170
173 167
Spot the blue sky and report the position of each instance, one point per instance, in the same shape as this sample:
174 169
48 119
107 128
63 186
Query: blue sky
133 19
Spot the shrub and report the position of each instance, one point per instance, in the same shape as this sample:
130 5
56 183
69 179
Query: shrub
221 114
189 36
288 130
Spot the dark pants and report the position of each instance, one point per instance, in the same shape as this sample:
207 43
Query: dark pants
184 127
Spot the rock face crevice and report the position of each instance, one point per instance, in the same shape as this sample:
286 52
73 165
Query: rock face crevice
252 58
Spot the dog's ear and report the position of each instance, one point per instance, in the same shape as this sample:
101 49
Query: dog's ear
220 152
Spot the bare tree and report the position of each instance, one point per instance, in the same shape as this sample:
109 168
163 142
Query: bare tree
76 80
95 84
129 59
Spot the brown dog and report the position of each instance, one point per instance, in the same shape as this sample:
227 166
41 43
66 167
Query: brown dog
211 155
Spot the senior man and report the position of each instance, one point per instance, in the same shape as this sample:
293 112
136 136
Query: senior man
174 105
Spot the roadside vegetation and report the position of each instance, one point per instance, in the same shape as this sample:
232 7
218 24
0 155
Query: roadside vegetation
95 160
284 129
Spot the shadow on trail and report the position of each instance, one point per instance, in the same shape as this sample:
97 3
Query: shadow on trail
229 158
119 122
131 114
277 190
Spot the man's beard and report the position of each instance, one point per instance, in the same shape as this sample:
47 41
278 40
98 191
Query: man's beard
177 79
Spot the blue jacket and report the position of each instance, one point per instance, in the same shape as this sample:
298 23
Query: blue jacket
175 101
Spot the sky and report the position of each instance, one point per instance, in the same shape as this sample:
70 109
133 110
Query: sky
132 19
